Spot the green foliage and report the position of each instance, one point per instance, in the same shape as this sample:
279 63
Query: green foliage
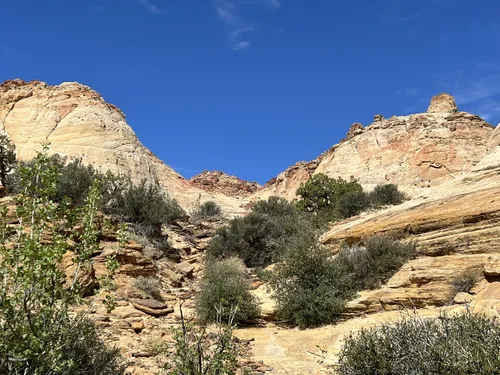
207 210
448 345
321 192
465 281
388 194
225 287
352 204
255 237
375 261
275 207
37 333
149 285
308 285
7 158
200 353
146 205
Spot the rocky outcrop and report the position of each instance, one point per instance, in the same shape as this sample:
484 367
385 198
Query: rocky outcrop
415 152
78 123
220 182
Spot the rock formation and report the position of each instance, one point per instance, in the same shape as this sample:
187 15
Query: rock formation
415 152
78 123
222 183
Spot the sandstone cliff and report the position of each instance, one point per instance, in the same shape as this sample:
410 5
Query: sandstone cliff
415 152
79 123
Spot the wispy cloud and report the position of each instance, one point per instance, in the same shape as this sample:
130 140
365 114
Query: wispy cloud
150 7
476 89
230 12
405 10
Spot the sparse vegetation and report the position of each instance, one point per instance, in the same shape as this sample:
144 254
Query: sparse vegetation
465 281
373 262
255 237
459 344
330 199
144 205
224 288
207 210
38 335
149 285
199 353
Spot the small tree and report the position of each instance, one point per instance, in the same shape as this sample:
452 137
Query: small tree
7 158
309 287
387 194
207 210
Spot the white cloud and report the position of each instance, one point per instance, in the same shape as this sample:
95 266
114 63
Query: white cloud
230 13
150 7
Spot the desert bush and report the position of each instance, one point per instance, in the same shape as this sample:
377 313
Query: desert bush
255 237
465 281
309 287
352 204
459 344
206 210
274 207
38 335
199 353
149 285
373 262
224 287
146 205
251 238
388 194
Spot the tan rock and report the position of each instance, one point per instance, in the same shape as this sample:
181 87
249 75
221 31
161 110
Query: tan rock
152 307
442 103
492 267
463 298
220 182
138 326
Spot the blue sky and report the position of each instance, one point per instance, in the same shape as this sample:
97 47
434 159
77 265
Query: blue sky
250 87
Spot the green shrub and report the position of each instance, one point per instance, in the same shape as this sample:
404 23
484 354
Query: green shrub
255 237
321 192
388 194
274 207
38 334
224 287
375 261
352 204
149 285
146 205
207 210
250 238
448 345
310 289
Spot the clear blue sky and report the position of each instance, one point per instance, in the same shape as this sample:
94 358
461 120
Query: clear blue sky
250 87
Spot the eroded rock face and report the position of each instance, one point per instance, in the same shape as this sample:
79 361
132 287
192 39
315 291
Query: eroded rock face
415 152
220 182
78 123
442 103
